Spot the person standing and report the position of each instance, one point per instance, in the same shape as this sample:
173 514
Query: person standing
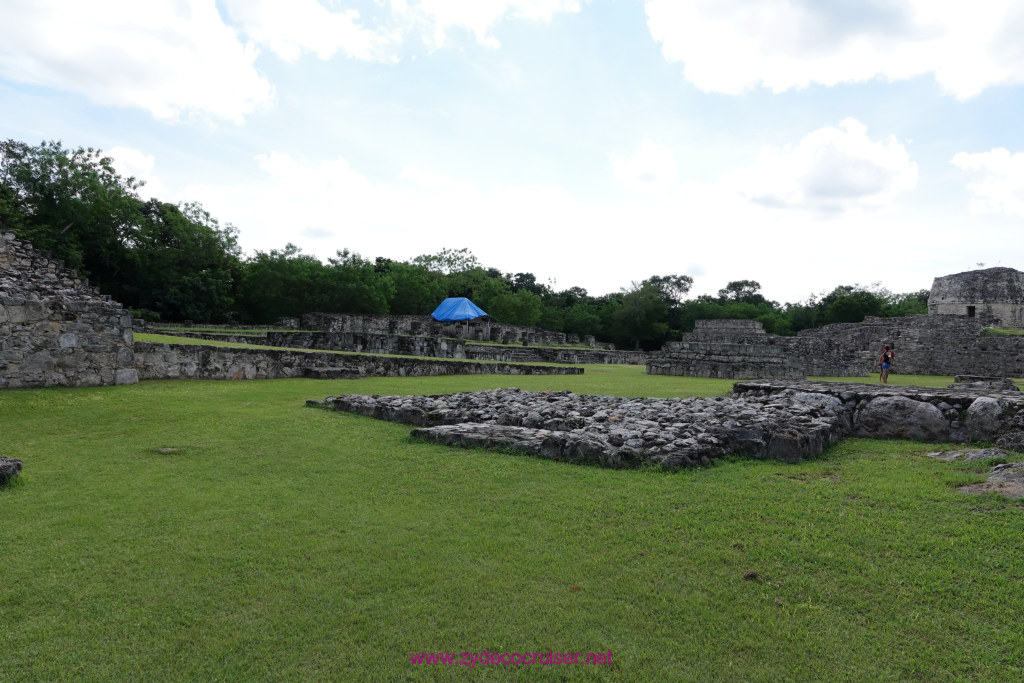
886 362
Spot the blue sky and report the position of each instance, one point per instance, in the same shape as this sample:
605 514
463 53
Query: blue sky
593 143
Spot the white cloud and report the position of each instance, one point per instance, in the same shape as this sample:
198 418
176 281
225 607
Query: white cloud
289 28
997 180
729 46
652 168
130 162
436 18
171 59
829 170
327 205
324 206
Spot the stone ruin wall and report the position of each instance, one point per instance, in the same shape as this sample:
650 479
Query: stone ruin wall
56 330
930 344
446 347
425 326
924 345
192 361
738 349
993 295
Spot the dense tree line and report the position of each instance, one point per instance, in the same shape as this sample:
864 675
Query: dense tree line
175 262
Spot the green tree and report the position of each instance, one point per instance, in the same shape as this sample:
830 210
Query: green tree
911 303
642 317
481 286
747 291
417 291
448 261
73 203
515 308
184 265
528 282
673 288
583 318
353 286
281 283
850 304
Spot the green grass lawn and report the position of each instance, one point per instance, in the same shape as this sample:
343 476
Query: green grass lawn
199 530
997 330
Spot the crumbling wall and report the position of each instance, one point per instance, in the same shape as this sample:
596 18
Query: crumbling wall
424 325
994 295
931 344
446 347
56 330
194 361
741 349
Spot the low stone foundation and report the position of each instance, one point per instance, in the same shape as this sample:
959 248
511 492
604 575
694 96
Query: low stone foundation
446 347
193 361
787 421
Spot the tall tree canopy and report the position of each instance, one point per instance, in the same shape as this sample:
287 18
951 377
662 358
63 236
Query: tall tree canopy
71 202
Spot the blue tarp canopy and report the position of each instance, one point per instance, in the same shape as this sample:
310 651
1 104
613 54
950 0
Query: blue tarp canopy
455 309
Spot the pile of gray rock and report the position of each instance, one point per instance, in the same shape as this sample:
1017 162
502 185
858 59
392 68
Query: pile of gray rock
615 431
787 421
960 414
9 469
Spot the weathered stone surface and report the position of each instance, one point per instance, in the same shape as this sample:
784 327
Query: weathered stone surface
194 361
783 420
1006 479
9 468
1011 441
950 404
899 417
969 454
736 349
56 330
991 294
484 329
983 383
447 347
982 421
929 345
615 431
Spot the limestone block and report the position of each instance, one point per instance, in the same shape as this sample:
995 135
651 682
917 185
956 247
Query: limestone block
89 378
67 340
126 376
983 418
899 417
29 312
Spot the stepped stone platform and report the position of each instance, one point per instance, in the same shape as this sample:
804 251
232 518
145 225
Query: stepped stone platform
783 420
196 361
741 349
449 347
